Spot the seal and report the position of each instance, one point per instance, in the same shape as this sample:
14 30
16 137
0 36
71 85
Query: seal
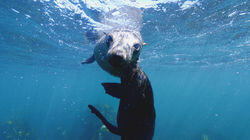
118 53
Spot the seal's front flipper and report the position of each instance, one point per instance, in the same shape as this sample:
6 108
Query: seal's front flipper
113 89
111 128
89 60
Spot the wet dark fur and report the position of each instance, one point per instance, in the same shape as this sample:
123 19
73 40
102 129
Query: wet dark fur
136 114
118 53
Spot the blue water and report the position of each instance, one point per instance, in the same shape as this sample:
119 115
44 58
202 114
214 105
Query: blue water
197 59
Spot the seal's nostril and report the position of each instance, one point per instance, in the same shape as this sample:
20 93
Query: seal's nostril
116 60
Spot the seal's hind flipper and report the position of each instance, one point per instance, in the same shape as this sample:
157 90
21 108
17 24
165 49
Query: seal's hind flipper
111 128
89 60
113 89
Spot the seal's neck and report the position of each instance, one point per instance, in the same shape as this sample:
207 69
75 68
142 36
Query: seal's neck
129 70
132 74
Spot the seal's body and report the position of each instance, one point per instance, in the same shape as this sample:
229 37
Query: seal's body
118 53
136 115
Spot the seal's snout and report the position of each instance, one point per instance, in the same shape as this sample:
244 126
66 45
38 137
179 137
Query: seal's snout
116 60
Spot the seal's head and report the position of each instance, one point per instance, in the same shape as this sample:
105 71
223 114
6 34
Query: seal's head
118 49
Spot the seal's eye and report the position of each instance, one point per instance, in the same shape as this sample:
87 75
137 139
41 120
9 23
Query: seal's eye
137 46
109 40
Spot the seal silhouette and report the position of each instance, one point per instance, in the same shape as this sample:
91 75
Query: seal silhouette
117 52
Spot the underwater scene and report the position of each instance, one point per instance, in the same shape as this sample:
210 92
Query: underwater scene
197 59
